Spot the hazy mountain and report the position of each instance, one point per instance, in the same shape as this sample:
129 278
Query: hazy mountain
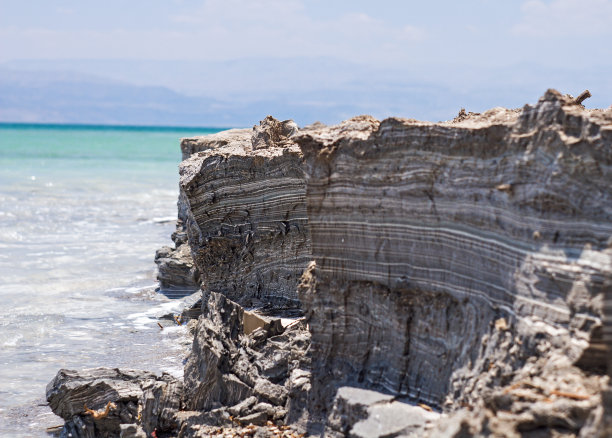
242 92
73 97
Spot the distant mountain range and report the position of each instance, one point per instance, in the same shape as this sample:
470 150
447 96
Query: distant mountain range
242 92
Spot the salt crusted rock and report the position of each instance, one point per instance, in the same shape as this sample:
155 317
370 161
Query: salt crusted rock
191 145
449 255
243 199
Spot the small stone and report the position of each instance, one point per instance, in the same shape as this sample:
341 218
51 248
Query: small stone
243 406
257 418
275 393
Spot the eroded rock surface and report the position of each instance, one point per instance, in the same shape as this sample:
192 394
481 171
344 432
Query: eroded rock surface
451 277
244 199
450 255
250 373
103 402
176 271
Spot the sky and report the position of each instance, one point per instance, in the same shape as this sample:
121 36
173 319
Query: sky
508 52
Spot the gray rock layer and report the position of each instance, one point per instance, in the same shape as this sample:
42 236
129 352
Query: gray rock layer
246 214
176 272
448 254
139 398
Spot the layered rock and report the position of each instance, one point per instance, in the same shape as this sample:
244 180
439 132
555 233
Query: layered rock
176 271
244 200
250 370
109 402
248 231
450 255
455 267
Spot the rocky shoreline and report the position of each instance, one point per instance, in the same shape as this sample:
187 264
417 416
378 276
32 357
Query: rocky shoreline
394 278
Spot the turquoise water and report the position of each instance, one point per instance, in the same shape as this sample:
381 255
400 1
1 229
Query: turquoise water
82 211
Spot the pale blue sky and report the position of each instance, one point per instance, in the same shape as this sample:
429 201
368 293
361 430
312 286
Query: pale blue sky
396 32
506 50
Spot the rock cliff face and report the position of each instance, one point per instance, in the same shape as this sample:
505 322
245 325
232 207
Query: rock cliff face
177 274
447 257
455 267
244 199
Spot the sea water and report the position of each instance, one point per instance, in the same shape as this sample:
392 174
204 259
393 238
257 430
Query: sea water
82 211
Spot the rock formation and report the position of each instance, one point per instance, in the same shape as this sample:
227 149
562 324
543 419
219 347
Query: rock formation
245 206
176 271
105 402
451 258
451 281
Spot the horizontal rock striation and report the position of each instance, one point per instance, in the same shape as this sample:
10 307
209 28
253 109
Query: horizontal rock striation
176 271
244 201
449 254
359 279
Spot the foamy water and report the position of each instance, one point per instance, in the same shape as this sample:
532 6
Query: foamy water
77 278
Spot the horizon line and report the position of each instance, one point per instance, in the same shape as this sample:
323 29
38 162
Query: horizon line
126 127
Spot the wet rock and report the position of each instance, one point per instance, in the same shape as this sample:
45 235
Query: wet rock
185 309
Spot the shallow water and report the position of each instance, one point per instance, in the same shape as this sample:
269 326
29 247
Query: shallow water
82 211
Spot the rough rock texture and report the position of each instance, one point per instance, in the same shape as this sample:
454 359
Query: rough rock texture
243 200
451 277
143 400
448 256
252 373
190 146
175 270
